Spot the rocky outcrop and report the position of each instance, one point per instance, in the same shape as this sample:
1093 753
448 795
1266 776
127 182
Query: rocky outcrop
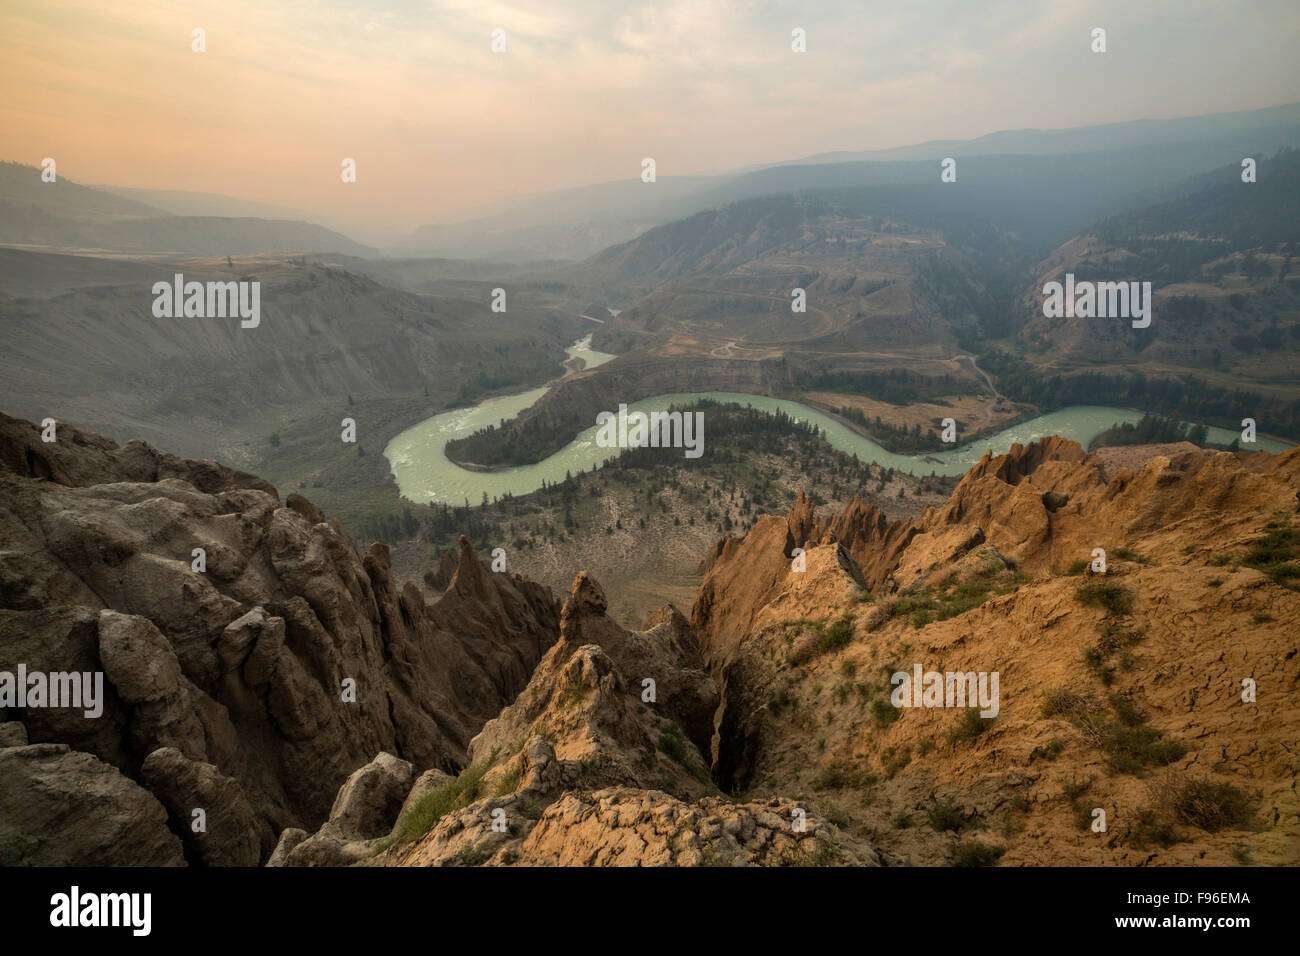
605 708
621 826
1119 691
59 807
222 828
365 809
259 647
603 697
286 700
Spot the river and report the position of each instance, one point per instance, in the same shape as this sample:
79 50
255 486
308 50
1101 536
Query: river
424 473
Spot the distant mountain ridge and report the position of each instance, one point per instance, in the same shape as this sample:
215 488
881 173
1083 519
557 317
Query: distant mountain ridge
577 223
66 216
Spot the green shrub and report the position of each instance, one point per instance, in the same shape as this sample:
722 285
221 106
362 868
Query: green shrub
946 815
1127 710
435 805
780 700
836 636
884 713
1209 805
1150 829
672 743
1134 749
1061 702
1053 750
839 774
509 781
1277 554
1114 598
969 726
474 856
1096 662
1127 555
975 853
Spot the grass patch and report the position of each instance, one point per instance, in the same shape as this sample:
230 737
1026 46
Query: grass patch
1061 702
823 853
436 804
781 700
1130 746
946 815
1054 749
571 694
1277 554
839 774
838 635
474 856
969 726
1135 749
884 713
1128 555
1113 640
672 743
951 598
1111 597
1150 829
509 781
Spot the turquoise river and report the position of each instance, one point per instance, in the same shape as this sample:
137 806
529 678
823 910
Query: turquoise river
424 473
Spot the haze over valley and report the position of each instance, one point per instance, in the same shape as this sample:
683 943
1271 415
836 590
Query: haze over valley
379 457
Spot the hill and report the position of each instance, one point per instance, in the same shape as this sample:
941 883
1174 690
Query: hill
64 215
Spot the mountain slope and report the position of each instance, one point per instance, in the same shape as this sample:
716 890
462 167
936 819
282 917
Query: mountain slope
1219 262
68 216
1121 692
1070 176
96 354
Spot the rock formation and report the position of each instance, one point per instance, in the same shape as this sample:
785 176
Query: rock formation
266 666
1129 691
265 676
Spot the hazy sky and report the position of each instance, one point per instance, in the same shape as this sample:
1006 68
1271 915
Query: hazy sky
438 123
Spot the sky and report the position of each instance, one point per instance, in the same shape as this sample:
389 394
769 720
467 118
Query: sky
440 125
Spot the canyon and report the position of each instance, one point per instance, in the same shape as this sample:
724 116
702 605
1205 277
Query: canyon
494 724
